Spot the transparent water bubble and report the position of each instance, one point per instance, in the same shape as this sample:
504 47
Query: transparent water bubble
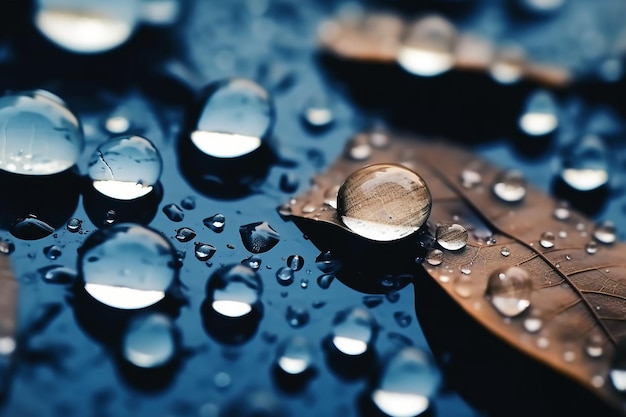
294 355
354 331
539 116
451 236
74 225
591 247
585 166
297 316
235 290
407 383
284 275
605 232
594 347
216 222
561 211
402 318
324 281
150 341
510 186
204 251
427 47
509 290
508 65
185 234
258 237
236 118
253 262
546 240
327 262
295 262
188 203
384 202
87 27
127 266
317 114
41 136
434 257
125 167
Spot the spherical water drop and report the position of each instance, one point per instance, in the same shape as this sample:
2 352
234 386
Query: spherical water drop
324 281
125 167
451 236
403 319
508 65
253 262
407 383
546 240
188 203
304 283
384 202
216 222
533 323
295 262
434 257
585 166
509 289
297 317
258 237
605 232
40 135
505 251
561 211
74 225
354 331
126 266
594 347
510 186
327 263
471 177
204 251
52 252
317 114
617 374
234 290
236 118
591 247
294 356
540 114
284 275
174 213
185 234
150 341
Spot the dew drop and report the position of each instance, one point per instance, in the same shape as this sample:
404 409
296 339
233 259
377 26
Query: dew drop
533 324
234 290
317 114
74 225
117 124
295 262
258 237
125 167
41 136
354 331
253 262
510 186
304 283
324 281
540 114
284 275
150 341
174 213
605 232
508 65
546 240
509 290
288 182
6 247
408 381
359 148
204 251
215 222
297 317
594 348
52 252
505 251
384 202
327 263
591 247
237 116
294 355
585 166
126 266
471 177
466 270
58 274
561 211
110 217
403 319
185 234
434 257
543 342
188 203
451 236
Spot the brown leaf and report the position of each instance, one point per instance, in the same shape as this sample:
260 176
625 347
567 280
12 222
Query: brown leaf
577 309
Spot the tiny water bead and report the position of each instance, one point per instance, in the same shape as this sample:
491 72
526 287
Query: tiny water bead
237 116
605 232
317 114
585 166
402 318
93 27
594 348
235 290
127 266
174 213
451 236
52 252
540 114
354 331
295 262
434 257
215 222
284 275
41 135
505 251
408 381
297 316
185 234
509 289
258 237
561 211
150 341
204 251
294 355
510 186
324 281
188 203
253 262
470 177
463 286
125 167
384 202
546 240
74 225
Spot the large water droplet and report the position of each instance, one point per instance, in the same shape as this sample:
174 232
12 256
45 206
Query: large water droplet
204 251
540 114
258 237
451 236
407 383
284 275
74 225
30 228
434 257
384 202
510 186
235 290
126 266
354 331
294 356
92 27
585 166
40 135
509 289
237 116
605 232
295 262
327 263
125 167
325 280
427 47
216 222
317 114
150 341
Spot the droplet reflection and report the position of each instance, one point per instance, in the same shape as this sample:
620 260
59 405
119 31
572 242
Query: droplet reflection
234 290
354 331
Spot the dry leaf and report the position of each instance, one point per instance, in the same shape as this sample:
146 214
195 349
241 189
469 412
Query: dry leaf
577 299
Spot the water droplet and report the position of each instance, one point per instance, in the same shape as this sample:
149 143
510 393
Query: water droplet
605 232
384 202
434 257
284 275
297 317
74 225
505 251
117 124
597 381
127 266
185 234
125 167
543 342
294 356
327 263
253 262
6 247
508 65
58 274
188 203
216 222
617 374
466 269
304 283
222 380
204 251
594 347
471 177
561 211
392 296
330 196
40 135
359 149
234 290
427 47
317 114
236 118
288 182
569 356
354 331
591 247
510 186
325 280
94 27
371 301
509 289
540 114
150 341
546 240
110 217
451 236
585 166
295 262
533 323
174 213
408 380
52 252
403 319
258 237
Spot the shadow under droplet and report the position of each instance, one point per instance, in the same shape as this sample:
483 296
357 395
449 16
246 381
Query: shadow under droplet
230 330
